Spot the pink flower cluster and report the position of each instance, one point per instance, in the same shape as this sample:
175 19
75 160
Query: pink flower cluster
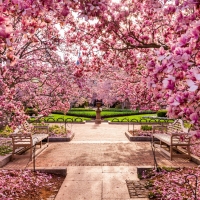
17 183
174 184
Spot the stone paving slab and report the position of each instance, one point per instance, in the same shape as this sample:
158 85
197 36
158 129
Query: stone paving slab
95 176
126 199
113 181
119 169
115 188
84 169
80 190
99 132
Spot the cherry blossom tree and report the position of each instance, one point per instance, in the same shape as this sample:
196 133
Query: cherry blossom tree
157 44
32 73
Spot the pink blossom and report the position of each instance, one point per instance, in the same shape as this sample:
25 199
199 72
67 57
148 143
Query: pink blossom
169 83
176 2
195 33
65 11
4 34
194 117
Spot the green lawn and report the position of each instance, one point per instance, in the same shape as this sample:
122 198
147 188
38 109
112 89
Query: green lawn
126 118
61 118
135 117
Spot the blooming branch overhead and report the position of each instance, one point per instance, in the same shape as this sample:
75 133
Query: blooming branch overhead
145 51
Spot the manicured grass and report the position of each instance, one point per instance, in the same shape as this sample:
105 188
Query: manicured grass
124 118
90 113
61 118
112 112
133 118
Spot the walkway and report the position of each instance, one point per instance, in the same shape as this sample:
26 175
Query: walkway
99 160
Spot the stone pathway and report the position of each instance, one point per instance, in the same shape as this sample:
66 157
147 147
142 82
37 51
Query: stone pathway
99 161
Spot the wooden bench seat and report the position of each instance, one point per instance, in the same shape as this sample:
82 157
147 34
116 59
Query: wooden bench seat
26 141
175 135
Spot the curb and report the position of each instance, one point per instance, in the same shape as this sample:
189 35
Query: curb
59 122
61 139
138 123
141 169
93 121
138 138
53 170
118 123
5 159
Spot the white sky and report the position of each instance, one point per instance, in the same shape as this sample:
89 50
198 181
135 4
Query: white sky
62 33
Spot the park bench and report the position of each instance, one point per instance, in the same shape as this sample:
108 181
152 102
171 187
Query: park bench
27 137
173 137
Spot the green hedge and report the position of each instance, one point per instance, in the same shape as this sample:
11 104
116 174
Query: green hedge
80 112
6 131
162 113
81 109
105 113
146 128
58 112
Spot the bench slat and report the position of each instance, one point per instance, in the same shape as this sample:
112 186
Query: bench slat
28 140
176 135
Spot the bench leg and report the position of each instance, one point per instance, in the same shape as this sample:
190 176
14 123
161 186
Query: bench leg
13 154
171 150
39 143
188 150
47 141
31 153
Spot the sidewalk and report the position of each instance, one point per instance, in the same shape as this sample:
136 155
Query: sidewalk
97 183
99 161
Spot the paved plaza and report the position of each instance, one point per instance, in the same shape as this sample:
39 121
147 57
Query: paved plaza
99 161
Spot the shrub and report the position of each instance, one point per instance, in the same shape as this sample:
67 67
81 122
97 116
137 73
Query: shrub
118 106
4 149
56 129
146 128
6 131
57 112
80 109
162 113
